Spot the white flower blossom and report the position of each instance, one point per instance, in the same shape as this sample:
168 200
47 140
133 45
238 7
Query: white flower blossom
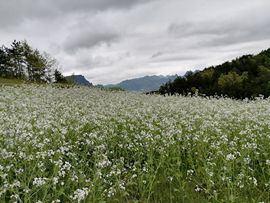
80 194
39 181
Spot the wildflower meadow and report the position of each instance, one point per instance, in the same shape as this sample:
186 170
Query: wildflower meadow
91 145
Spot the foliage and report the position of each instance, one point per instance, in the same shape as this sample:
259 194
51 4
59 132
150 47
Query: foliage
58 77
21 61
91 145
247 76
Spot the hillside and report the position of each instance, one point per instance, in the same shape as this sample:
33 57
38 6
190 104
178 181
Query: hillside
78 80
6 81
247 76
147 83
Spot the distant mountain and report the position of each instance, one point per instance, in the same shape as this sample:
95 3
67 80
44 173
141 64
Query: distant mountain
78 80
145 84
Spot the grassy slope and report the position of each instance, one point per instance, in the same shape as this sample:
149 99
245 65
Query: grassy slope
8 82
5 81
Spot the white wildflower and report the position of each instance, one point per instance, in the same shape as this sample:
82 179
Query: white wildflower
230 157
39 181
80 194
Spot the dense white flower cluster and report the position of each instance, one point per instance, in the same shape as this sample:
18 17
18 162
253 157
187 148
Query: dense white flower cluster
80 194
92 145
39 181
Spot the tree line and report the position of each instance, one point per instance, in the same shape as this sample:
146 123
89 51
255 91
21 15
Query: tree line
21 61
244 77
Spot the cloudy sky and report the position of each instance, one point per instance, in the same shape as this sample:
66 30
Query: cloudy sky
112 40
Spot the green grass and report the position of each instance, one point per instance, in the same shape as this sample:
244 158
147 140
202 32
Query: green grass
6 81
14 81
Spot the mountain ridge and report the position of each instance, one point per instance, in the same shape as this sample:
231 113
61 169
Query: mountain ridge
145 83
78 80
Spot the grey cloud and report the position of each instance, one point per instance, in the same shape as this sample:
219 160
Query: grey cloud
131 38
90 62
243 36
86 40
173 56
204 28
13 12
177 58
96 4
157 54
224 32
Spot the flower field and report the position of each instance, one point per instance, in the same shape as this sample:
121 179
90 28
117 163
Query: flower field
92 145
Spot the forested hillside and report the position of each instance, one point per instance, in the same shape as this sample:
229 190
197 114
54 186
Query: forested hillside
247 76
21 61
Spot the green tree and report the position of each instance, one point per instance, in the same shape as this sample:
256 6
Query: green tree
232 83
39 66
58 77
21 61
246 76
51 64
263 81
3 63
16 59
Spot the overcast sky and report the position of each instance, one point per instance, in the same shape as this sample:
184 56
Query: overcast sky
111 40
